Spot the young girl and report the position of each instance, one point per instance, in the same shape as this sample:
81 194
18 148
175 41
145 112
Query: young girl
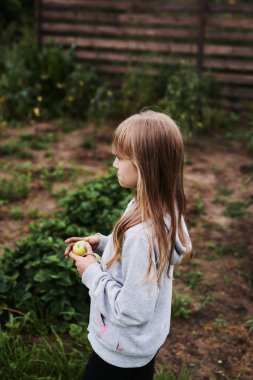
131 289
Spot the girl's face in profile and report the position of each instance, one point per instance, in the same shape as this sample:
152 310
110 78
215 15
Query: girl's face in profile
126 172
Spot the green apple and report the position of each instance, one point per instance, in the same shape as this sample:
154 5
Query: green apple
79 248
98 258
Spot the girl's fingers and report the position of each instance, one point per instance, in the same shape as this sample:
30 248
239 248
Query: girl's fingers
68 249
88 247
73 239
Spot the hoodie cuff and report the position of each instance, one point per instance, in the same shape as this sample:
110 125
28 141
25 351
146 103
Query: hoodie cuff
102 243
90 273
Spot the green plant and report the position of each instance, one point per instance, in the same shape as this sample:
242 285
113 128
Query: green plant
42 359
181 305
237 249
189 99
41 84
35 277
220 322
198 206
184 374
17 213
15 188
88 144
193 279
236 209
249 324
225 191
34 213
138 91
208 299
101 105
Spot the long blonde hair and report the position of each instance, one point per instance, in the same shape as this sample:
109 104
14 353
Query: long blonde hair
153 142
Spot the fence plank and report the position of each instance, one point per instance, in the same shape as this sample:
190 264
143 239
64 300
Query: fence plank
107 17
124 45
225 64
229 50
49 27
124 5
127 58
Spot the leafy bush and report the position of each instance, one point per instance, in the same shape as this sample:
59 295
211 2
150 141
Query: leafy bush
35 276
138 91
189 99
98 205
43 84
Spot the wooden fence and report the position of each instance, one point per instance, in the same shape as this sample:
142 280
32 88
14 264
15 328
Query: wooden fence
213 36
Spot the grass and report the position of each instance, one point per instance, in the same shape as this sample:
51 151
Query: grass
46 358
184 374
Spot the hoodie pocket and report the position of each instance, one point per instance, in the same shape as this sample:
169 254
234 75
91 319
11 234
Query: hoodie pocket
106 332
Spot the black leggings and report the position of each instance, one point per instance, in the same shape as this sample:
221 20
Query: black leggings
98 369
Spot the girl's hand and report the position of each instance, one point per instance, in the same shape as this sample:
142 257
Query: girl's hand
93 240
83 262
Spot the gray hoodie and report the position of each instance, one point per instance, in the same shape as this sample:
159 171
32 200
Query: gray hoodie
129 318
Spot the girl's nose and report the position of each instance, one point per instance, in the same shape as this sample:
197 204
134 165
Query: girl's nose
115 163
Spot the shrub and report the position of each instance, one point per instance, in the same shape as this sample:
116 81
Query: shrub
44 84
35 277
189 99
138 91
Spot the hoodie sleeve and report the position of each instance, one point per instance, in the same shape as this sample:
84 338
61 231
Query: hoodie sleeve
133 302
101 246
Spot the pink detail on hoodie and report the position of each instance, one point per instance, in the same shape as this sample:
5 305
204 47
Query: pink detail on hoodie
102 327
119 348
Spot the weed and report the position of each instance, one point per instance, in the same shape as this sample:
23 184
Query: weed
17 213
220 322
10 148
181 305
193 279
198 206
226 279
216 168
15 188
209 299
34 213
249 324
225 191
88 144
236 209
184 374
237 250
6 166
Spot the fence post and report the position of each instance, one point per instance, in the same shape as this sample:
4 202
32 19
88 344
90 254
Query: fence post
38 23
203 9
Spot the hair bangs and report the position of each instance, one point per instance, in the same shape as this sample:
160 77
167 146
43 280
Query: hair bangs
122 141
